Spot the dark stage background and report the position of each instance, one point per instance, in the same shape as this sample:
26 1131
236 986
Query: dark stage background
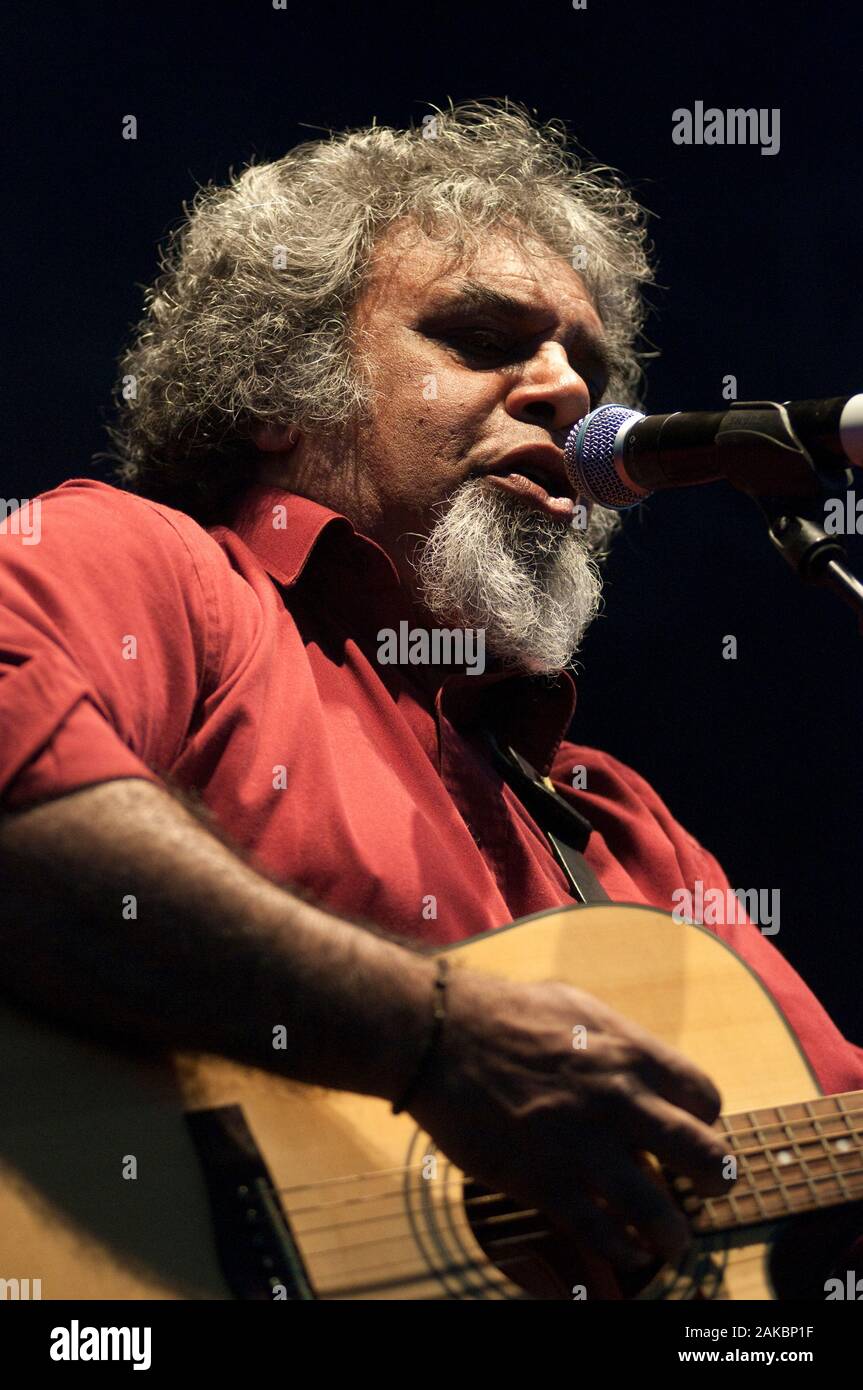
759 268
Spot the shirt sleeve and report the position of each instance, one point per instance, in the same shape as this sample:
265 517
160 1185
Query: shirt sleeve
106 603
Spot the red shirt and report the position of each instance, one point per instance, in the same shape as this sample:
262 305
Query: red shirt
242 663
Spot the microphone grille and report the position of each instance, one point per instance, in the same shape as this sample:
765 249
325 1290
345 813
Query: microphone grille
589 454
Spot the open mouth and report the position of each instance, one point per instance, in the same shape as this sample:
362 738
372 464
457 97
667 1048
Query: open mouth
535 486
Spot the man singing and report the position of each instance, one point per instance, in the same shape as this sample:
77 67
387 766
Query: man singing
344 411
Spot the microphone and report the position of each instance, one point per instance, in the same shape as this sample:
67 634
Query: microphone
617 457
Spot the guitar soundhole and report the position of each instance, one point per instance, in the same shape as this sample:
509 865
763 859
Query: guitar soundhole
545 1262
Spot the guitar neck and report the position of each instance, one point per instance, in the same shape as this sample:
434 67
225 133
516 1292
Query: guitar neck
789 1159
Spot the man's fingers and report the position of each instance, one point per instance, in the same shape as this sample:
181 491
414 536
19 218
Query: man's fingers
682 1086
680 1141
642 1202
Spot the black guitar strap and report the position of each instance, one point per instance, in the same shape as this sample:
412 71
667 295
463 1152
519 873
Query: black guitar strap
566 829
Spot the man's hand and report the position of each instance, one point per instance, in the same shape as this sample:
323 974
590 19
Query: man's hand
518 1108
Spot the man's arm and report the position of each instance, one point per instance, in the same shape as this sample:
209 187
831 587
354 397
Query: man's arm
120 910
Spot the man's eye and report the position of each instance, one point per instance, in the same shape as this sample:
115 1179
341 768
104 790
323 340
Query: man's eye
485 343
482 342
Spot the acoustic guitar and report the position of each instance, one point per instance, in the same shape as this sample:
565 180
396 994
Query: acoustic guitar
189 1177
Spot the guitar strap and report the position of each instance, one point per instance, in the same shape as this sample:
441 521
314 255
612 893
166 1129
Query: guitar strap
566 829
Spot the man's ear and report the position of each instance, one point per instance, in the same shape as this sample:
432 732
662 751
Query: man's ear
275 438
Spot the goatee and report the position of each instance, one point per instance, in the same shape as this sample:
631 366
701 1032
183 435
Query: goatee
532 583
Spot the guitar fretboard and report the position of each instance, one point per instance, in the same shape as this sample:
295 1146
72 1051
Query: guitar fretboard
790 1159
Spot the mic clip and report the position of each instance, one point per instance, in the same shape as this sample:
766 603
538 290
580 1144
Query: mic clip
785 467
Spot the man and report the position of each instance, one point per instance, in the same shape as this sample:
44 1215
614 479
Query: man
358 369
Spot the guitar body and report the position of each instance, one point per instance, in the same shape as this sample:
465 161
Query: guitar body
104 1192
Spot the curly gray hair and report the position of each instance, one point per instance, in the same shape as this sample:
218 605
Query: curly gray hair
250 318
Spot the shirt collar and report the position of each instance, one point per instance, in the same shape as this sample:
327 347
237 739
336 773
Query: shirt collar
283 529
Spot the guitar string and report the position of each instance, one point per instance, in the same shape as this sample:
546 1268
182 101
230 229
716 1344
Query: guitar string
340 1249
707 1205
813 1121
446 1269
372 1175
521 1214
742 1254
396 1194
734 1135
445 1204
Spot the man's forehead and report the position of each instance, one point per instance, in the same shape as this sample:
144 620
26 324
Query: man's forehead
499 274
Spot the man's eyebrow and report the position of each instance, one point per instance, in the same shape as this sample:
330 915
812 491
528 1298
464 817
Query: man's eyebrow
473 295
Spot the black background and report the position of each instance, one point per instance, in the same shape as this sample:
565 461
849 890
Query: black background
759 277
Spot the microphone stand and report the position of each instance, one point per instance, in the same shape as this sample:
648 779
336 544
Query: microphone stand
817 558
814 474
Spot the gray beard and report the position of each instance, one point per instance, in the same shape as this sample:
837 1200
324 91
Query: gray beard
531 583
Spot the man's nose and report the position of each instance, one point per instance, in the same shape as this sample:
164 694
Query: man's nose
549 391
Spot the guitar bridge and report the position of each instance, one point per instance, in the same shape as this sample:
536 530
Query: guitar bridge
257 1250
